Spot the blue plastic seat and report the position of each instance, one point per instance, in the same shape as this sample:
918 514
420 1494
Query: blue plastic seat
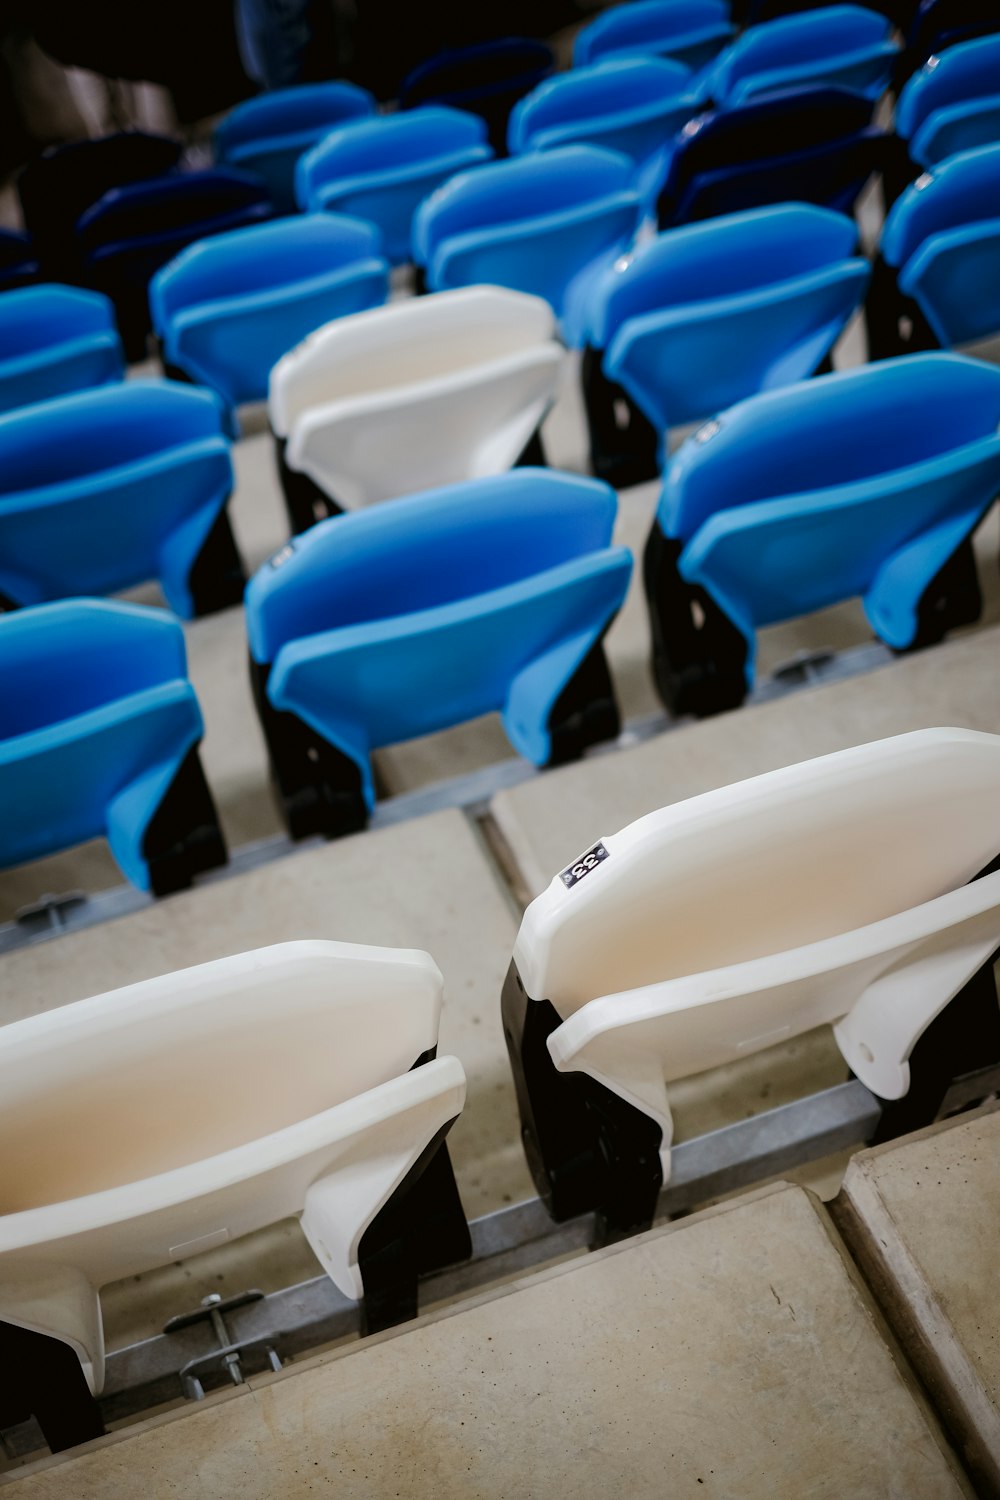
383 169
227 308
544 223
952 104
692 31
405 618
99 735
868 482
132 231
267 135
810 145
55 339
19 265
635 105
487 80
105 489
939 259
843 45
711 313
939 25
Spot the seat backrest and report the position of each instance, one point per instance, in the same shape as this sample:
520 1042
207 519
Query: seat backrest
60 660
833 430
258 257
181 201
587 95
962 190
51 314
18 261
721 257
308 110
303 1025
57 189
385 143
969 71
650 27
474 77
91 431
767 865
516 191
797 41
424 551
407 342
941 24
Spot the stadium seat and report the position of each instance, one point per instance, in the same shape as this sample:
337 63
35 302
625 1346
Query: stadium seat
841 45
226 309
635 105
486 79
691 31
108 488
939 25
19 265
339 1119
868 482
383 169
267 135
544 223
99 738
708 314
934 281
808 145
428 391
132 231
952 104
55 339
57 189
842 891
406 618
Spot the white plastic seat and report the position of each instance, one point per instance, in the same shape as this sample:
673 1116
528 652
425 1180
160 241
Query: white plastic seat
423 393
122 1151
836 891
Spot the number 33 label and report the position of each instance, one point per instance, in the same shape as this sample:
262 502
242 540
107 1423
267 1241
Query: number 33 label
583 866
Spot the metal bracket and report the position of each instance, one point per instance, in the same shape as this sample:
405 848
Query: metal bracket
230 1353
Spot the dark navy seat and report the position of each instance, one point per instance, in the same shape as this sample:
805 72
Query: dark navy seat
810 145
55 339
845 45
408 617
99 735
708 314
692 31
107 488
18 261
545 223
935 282
951 104
132 231
486 79
383 169
941 24
226 309
57 189
267 135
869 482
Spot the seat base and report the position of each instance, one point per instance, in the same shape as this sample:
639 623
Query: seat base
217 577
585 713
305 502
44 1379
624 449
951 599
184 838
894 323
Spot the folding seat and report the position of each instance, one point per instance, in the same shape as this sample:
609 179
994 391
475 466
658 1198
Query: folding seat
939 25
869 482
339 1119
99 738
545 223
692 31
845 45
55 339
428 391
383 169
226 309
406 618
57 189
132 231
934 281
708 314
18 261
635 105
810 145
859 890
107 488
267 135
952 104
486 79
